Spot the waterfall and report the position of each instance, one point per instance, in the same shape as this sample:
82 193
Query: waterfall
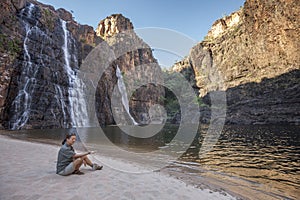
78 108
68 69
22 102
60 98
42 93
122 90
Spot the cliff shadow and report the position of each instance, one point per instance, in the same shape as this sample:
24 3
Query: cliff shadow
270 101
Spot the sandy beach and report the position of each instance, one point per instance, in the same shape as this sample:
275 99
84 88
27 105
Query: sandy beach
27 171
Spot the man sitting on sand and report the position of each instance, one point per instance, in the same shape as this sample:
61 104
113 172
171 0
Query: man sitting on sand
69 162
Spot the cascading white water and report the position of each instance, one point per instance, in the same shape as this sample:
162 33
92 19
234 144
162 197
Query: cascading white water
30 82
68 69
22 102
60 98
78 107
122 90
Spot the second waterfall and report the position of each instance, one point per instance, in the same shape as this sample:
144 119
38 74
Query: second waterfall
78 107
122 90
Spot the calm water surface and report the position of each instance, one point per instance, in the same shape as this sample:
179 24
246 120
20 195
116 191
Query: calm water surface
252 162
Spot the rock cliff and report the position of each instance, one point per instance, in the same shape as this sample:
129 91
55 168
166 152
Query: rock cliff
41 52
113 25
139 70
253 55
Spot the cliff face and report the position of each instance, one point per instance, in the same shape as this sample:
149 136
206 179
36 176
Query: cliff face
139 70
253 55
41 50
113 25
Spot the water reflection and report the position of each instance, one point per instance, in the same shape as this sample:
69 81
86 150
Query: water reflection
258 154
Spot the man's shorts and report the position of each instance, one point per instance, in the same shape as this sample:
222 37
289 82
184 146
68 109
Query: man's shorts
68 170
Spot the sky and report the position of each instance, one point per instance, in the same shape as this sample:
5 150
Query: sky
184 23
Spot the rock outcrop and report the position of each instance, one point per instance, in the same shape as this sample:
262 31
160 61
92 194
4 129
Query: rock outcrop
113 25
253 56
137 66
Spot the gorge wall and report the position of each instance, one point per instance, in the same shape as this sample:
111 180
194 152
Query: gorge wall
253 55
139 70
41 52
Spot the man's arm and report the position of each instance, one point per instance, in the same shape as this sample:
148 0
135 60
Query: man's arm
79 155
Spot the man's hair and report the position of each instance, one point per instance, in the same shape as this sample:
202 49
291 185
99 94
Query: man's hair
68 136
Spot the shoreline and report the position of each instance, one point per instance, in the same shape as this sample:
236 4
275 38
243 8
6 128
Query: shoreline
211 185
195 176
30 173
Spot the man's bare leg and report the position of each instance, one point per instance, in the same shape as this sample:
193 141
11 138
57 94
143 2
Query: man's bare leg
94 166
86 160
77 163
